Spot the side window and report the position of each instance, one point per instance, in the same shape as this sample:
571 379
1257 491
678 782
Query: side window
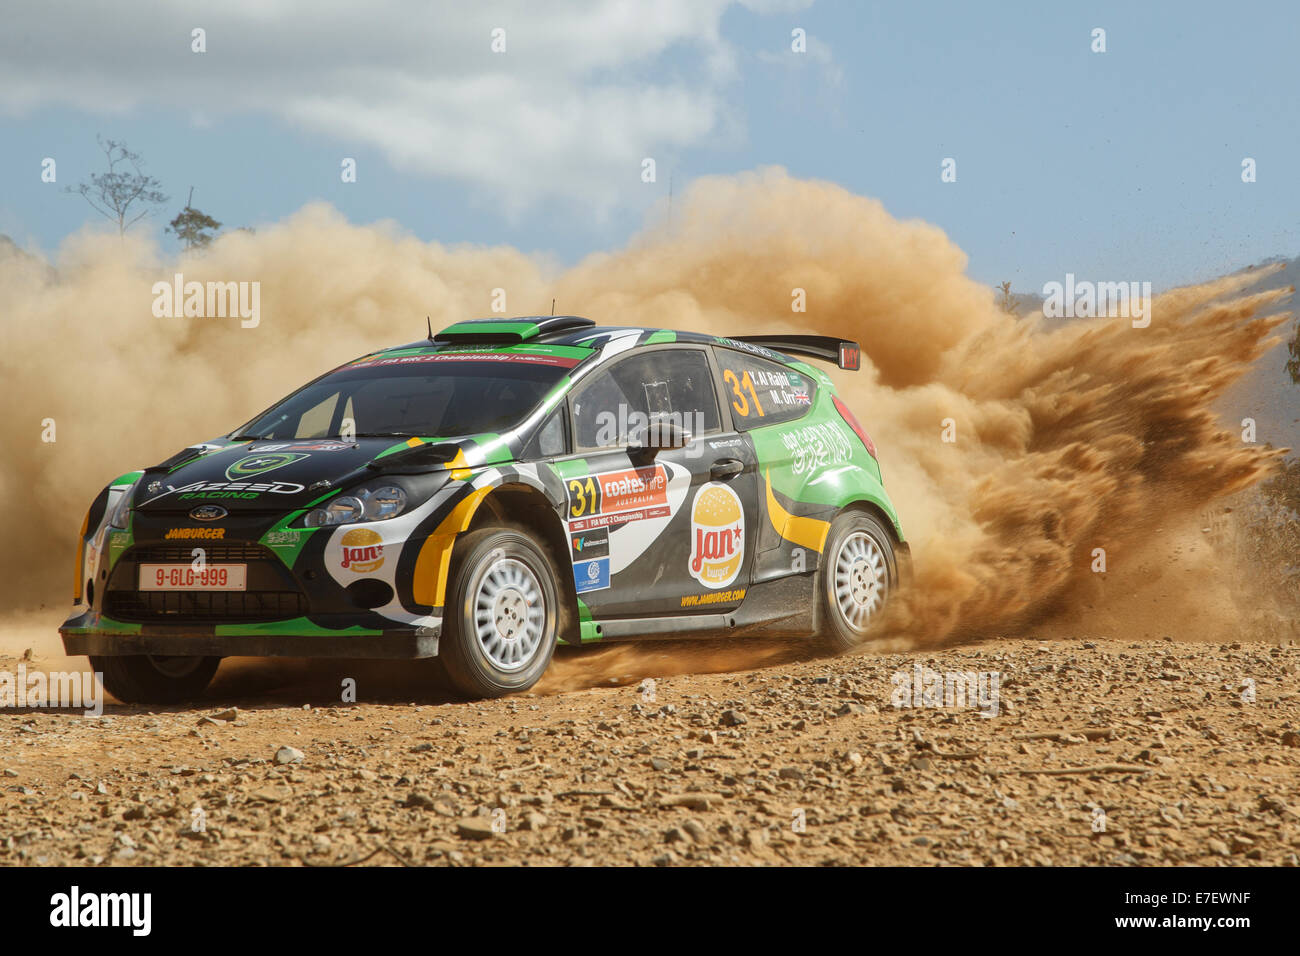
673 385
596 412
548 442
763 392
692 402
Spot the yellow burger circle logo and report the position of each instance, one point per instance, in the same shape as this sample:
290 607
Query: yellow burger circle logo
717 536
363 551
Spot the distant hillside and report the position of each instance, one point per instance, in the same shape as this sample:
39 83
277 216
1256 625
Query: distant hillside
1267 394
11 251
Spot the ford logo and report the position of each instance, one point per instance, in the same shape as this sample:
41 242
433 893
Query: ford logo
208 513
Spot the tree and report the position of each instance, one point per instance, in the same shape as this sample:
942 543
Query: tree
114 193
1008 301
192 227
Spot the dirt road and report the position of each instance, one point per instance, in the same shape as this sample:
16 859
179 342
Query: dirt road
1100 752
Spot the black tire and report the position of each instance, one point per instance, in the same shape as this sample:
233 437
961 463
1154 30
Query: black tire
145 679
481 668
866 578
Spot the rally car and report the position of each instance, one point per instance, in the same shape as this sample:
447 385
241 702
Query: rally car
481 494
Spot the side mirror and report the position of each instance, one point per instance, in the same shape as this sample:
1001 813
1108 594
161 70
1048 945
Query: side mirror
656 437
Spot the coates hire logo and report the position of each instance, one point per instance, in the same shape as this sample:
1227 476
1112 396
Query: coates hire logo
74 909
717 536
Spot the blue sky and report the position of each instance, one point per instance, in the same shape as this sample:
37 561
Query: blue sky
1117 165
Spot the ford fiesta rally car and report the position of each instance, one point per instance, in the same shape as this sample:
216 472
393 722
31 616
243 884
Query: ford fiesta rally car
479 495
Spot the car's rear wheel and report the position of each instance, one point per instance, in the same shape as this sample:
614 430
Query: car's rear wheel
155 679
859 572
501 617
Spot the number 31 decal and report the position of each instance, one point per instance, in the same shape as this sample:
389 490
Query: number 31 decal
584 497
740 403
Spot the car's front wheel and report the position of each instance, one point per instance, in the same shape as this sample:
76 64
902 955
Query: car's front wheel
858 573
155 679
501 617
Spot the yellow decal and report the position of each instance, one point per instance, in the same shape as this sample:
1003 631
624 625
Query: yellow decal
584 496
459 466
189 534
808 532
429 585
740 403
717 597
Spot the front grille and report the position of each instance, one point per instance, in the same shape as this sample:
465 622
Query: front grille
212 553
212 607
272 593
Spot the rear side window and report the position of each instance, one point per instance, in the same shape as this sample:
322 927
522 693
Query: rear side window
763 392
674 385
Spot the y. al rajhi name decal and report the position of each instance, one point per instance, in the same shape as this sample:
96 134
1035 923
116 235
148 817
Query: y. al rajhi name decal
1085 299
208 300
60 690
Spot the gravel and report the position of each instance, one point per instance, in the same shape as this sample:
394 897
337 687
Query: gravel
1098 755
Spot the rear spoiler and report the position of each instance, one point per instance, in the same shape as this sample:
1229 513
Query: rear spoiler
842 352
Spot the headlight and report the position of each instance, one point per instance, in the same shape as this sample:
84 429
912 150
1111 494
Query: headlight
385 501
372 502
121 511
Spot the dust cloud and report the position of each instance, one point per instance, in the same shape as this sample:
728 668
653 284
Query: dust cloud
1068 439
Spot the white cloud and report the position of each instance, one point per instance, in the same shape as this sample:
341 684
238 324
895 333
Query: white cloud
818 57
583 92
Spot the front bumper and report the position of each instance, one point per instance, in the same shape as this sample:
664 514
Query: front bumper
94 634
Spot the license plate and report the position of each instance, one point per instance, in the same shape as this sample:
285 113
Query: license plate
183 577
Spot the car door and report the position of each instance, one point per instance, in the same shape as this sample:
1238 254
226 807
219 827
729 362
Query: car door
658 533
770 405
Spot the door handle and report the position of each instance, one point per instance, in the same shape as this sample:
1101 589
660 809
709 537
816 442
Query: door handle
726 468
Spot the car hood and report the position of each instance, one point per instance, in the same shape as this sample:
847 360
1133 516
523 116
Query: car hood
279 476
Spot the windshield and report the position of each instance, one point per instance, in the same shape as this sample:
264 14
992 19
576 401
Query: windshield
435 395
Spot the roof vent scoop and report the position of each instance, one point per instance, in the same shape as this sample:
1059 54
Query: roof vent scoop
510 331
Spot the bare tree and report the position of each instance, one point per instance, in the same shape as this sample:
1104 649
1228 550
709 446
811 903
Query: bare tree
114 193
1008 301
